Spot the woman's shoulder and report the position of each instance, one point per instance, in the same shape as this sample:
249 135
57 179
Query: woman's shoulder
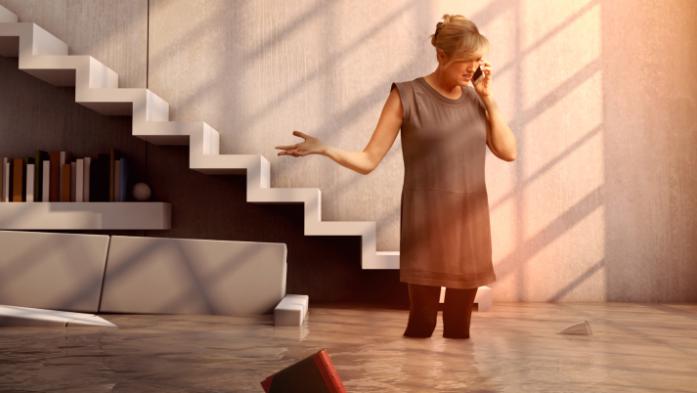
405 88
403 83
410 87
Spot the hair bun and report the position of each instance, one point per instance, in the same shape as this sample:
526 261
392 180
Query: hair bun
455 33
438 27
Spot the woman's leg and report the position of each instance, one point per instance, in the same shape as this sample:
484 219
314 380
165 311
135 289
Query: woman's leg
457 312
423 310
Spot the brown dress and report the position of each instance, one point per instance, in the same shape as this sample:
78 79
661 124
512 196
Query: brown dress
445 236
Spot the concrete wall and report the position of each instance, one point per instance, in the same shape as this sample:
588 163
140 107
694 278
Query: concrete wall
598 206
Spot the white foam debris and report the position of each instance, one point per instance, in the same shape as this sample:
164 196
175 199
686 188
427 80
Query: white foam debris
26 316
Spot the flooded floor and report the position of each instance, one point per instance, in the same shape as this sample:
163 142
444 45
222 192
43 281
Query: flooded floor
514 348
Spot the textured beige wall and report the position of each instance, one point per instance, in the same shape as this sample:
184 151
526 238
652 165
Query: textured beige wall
602 96
114 32
599 204
649 140
257 70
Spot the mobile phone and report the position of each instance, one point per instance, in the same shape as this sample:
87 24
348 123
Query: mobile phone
477 74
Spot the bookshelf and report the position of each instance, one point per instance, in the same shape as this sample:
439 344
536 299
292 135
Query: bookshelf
85 215
64 192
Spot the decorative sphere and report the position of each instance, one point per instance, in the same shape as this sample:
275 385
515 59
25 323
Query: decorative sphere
141 192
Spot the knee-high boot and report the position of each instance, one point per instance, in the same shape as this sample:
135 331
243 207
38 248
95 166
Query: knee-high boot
423 311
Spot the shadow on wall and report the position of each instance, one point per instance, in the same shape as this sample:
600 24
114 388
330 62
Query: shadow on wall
566 209
601 201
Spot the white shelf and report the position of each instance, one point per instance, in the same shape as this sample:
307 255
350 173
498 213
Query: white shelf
85 215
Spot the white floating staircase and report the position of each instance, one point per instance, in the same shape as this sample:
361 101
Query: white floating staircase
46 57
96 86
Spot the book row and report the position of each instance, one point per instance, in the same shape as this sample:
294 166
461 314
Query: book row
57 177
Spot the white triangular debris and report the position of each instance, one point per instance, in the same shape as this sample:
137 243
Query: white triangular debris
580 329
25 316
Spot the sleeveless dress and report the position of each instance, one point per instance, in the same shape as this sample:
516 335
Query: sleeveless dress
445 235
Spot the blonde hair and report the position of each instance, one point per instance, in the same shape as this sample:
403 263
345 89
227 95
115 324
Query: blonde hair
457 35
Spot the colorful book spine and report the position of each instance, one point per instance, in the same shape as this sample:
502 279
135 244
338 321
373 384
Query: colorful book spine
18 180
99 178
46 181
73 181
55 177
2 180
79 179
112 163
64 158
86 176
7 180
65 186
39 174
29 190
55 157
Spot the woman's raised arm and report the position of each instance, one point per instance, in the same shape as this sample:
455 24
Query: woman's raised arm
364 161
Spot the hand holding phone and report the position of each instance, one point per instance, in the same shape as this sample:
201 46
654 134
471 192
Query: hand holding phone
477 74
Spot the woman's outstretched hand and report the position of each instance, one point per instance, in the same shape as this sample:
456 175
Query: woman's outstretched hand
310 145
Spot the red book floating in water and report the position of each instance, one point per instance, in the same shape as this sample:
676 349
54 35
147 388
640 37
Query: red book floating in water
314 374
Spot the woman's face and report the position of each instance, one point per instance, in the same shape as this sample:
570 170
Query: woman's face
459 69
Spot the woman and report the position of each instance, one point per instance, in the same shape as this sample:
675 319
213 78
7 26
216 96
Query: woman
446 125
